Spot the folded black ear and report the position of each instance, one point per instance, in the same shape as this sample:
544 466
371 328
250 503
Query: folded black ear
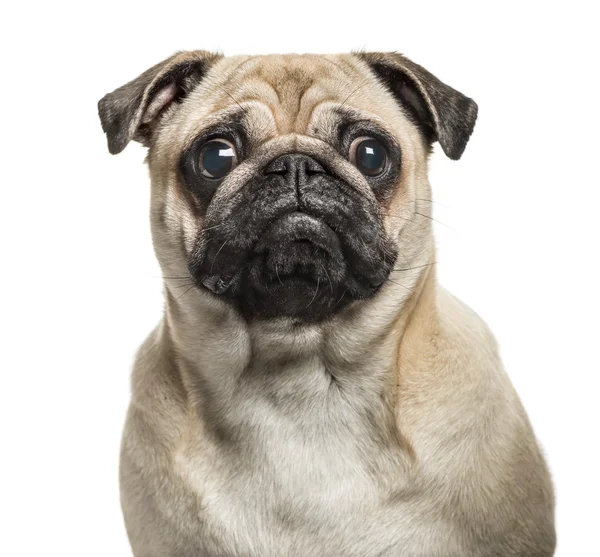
442 113
130 111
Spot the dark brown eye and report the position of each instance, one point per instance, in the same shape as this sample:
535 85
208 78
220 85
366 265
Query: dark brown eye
369 156
217 159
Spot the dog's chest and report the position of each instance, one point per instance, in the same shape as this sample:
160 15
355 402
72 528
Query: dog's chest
296 493
323 483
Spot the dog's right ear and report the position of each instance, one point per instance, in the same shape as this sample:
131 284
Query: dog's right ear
131 111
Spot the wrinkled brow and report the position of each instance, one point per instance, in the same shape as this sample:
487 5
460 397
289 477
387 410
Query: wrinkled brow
232 119
334 124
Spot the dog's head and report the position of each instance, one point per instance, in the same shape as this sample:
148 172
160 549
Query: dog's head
288 186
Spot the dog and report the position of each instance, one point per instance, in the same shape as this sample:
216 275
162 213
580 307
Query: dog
311 390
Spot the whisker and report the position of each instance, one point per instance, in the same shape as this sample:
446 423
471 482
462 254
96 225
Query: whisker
399 217
371 257
421 215
211 227
415 267
352 93
343 294
268 289
402 254
404 218
277 273
182 285
432 219
328 278
179 297
230 96
315 295
431 201
217 255
400 284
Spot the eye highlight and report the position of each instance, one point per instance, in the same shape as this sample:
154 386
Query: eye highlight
369 156
217 158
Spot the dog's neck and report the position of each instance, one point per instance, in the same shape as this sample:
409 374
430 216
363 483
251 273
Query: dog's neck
231 368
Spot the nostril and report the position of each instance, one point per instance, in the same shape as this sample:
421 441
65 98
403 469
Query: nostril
312 167
278 166
294 164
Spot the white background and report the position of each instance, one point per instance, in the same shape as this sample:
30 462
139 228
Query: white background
80 286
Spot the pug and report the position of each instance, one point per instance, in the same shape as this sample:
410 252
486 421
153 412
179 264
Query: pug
311 389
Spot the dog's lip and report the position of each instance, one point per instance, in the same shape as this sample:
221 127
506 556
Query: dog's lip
218 284
294 227
297 227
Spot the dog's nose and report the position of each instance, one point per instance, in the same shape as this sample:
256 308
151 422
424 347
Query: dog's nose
294 166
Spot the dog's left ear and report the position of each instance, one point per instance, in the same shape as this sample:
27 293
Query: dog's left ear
442 113
131 111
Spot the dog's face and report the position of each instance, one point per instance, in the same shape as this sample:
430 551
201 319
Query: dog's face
288 186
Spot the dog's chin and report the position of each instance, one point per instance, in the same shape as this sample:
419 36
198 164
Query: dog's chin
299 298
296 270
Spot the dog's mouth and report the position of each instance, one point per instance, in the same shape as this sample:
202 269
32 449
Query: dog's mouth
302 255
297 268
297 264
295 248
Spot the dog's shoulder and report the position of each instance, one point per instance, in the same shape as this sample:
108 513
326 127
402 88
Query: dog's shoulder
461 324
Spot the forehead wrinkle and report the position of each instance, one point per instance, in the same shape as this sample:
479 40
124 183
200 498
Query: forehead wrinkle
255 92
259 104
292 92
287 85
328 91
244 108
348 113
307 103
321 104
288 79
